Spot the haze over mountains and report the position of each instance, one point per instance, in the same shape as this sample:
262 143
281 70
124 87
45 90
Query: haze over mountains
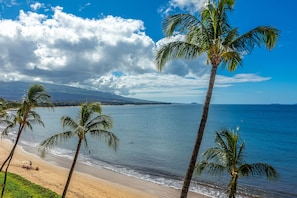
61 94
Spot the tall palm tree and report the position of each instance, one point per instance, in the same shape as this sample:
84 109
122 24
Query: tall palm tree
210 33
89 120
24 118
228 157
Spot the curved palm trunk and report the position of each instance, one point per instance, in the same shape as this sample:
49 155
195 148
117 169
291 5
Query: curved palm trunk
13 148
200 133
233 186
9 158
72 167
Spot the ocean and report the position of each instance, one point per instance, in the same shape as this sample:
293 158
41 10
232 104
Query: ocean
156 142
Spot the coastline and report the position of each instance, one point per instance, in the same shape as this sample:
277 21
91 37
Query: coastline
86 181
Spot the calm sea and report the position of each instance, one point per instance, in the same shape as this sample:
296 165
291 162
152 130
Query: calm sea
156 142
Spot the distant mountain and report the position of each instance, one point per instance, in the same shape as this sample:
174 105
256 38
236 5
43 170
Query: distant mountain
65 95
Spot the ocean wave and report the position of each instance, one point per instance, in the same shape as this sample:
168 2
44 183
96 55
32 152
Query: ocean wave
207 188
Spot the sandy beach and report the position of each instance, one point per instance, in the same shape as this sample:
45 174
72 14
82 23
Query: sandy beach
86 181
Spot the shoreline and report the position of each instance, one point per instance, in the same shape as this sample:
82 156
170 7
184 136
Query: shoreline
86 181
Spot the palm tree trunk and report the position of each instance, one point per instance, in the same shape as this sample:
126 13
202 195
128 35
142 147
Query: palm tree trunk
72 167
233 186
9 158
5 176
200 133
14 146
6 160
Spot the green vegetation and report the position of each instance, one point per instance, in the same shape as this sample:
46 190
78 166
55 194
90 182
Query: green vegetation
6 105
212 35
228 158
89 121
18 187
24 118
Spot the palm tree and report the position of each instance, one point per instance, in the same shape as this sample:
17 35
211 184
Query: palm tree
25 117
90 120
228 157
210 34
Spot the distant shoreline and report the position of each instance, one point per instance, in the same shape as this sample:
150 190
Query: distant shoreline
59 104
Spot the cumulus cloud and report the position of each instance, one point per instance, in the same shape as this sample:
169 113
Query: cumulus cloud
67 48
109 54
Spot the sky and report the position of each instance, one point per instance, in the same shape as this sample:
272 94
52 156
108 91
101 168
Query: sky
110 45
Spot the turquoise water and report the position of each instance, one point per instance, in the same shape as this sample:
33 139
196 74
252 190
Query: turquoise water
156 142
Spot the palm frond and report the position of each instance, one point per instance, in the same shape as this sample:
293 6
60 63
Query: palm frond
256 37
9 125
240 156
35 118
85 113
199 36
95 107
226 4
222 8
85 141
54 140
258 169
101 120
28 125
209 167
215 18
68 122
176 50
110 138
230 141
220 141
231 60
230 36
179 22
37 95
217 154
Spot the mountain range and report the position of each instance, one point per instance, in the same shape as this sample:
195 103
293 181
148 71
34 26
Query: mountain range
66 95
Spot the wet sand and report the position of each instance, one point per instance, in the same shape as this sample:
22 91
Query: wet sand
87 181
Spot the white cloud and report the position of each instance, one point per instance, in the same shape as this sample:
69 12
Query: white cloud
241 78
158 86
188 5
84 6
36 6
110 54
8 3
54 46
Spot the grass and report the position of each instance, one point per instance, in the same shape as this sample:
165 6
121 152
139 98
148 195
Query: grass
18 187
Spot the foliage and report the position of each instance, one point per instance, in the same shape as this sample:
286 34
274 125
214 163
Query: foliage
228 158
89 121
18 187
24 118
210 34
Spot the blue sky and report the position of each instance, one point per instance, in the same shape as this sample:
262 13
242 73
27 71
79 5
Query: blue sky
110 45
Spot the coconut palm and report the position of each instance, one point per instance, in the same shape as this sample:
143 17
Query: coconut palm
228 157
24 118
89 121
211 34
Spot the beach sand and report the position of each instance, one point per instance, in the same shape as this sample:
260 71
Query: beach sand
86 181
